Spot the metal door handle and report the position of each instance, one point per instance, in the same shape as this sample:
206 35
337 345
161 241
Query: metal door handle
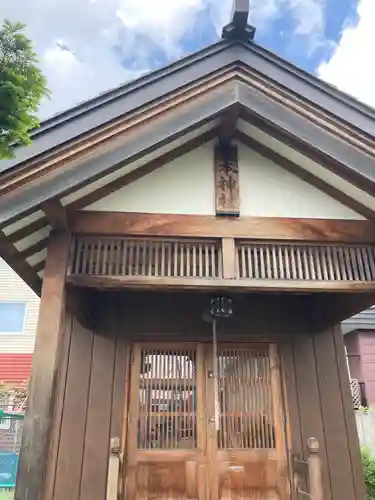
211 420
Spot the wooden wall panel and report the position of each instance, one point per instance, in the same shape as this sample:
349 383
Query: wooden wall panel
93 393
350 424
309 402
97 438
322 408
58 410
72 439
333 417
294 433
44 376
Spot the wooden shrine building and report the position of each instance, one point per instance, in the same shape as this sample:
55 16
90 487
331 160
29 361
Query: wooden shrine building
231 183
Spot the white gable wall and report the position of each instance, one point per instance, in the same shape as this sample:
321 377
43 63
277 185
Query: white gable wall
186 186
183 186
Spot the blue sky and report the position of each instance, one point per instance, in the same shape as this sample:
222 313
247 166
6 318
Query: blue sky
89 46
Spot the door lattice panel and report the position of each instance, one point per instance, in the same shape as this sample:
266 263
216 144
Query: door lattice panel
246 412
167 399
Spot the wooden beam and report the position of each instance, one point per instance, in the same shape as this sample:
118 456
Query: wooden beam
36 433
202 226
306 176
231 285
227 188
228 124
56 214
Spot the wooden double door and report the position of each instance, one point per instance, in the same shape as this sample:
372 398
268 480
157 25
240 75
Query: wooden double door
199 432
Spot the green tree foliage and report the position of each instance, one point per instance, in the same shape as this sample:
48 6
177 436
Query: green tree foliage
368 462
22 86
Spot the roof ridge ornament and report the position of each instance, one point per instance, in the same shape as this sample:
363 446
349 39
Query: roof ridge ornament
238 28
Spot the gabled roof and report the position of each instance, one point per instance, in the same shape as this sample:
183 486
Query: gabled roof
99 146
111 105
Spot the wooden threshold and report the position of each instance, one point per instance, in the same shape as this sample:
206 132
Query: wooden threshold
229 285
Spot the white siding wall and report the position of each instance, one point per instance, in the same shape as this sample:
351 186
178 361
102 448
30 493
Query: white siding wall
13 288
186 186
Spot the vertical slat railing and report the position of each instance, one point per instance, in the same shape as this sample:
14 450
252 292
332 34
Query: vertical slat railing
305 262
222 258
149 258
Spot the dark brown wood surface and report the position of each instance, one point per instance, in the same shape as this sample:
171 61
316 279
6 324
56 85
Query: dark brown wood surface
44 375
334 424
267 228
98 423
56 214
294 435
74 417
58 410
309 404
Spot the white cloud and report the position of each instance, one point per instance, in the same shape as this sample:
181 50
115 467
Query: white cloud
351 66
75 39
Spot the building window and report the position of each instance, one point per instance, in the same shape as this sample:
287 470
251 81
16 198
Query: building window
12 317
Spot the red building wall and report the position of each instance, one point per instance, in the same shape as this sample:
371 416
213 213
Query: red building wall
15 368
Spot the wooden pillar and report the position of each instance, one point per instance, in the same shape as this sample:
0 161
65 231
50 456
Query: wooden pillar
315 470
41 394
228 246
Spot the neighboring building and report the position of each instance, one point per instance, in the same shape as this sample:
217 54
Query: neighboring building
19 307
359 335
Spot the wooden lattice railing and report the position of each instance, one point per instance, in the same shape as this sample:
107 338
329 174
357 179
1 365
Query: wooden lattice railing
240 263
307 262
152 258
356 393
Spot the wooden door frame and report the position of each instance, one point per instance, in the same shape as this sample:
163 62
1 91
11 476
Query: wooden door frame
203 429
